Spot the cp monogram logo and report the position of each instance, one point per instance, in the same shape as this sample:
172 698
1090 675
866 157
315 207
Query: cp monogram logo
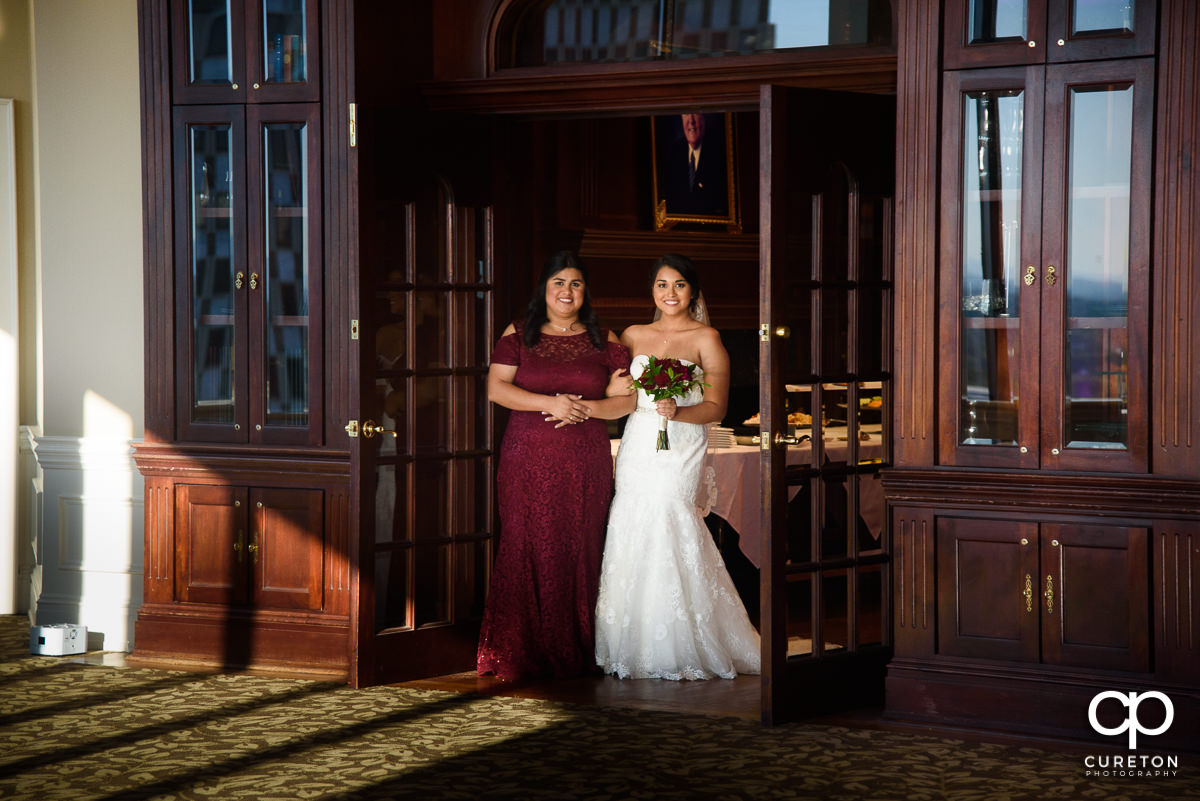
1131 700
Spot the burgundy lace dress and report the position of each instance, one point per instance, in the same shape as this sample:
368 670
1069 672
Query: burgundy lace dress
554 485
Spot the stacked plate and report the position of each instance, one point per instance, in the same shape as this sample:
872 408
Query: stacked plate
721 437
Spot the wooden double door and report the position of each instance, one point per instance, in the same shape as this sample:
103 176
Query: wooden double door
435 291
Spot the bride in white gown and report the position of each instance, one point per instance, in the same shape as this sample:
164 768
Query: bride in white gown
667 607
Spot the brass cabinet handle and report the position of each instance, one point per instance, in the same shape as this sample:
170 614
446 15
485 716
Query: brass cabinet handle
254 280
237 280
1030 274
1049 594
237 545
1028 593
253 548
1050 275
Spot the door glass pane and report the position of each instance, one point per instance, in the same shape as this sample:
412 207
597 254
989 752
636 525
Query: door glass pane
285 40
212 268
392 570
391 502
210 60
1097 269
991 237
1102 16
997 21
431 411
286 285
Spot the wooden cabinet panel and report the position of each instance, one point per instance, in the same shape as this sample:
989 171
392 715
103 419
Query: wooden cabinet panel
987 570
211 544
1069 594
1101 615
239 545
288 564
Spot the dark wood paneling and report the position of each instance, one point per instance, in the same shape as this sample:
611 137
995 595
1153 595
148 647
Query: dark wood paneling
916 230
258 466
1177 599
212 539
288 559
159 561
1175 352
913 581
1094 495
158 237
717 84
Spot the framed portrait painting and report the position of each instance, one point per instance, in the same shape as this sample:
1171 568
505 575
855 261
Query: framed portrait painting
693 163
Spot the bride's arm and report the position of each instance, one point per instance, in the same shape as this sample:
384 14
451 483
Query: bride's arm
715 361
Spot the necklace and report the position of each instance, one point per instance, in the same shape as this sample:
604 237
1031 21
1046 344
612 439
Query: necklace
563 328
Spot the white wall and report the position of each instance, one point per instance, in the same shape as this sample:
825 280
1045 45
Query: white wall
88 266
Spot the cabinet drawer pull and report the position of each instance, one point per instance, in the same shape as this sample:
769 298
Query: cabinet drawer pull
1051 277
1049 594
1028 593
253 548
1030 274
237 280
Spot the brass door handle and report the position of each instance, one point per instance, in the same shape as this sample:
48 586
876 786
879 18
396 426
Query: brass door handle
1028 593
1050 276
237 280
253 548
369 429
1049 594
784 439
254 280
1030 274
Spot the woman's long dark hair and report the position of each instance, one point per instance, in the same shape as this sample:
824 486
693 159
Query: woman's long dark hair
682 265
535 314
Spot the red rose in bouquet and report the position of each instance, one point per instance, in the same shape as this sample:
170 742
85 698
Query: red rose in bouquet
667 378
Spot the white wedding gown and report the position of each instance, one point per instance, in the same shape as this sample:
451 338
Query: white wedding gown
667 607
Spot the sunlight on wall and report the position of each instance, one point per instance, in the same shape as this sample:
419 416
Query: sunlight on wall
106 540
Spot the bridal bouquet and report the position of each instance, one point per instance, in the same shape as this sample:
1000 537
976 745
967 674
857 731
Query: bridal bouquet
667 378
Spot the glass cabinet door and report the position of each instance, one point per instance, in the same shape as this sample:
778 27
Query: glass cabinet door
1095 255
1087 29
991 180
1045 250
235 51
248 272
212 273
980 33
285 302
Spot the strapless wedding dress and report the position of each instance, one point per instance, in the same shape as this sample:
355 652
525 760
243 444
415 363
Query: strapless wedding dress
667 607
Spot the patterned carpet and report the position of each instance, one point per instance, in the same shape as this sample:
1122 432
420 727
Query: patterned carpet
81 732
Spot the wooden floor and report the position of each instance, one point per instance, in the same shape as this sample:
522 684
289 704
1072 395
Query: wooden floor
737 697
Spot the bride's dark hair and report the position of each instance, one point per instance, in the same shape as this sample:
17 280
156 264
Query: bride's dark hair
682 265
535 313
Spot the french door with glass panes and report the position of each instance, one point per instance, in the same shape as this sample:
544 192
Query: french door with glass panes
1045 253
421 449
249 273
825 205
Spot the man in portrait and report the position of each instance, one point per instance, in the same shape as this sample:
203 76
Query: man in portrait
693 166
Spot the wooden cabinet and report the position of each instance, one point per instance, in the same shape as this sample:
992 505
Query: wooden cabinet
1065 594
1045 260
249 545
978 33
244 51
248 277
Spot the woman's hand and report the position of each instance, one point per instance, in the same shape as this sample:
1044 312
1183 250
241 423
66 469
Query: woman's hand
667 408
566 410
620 383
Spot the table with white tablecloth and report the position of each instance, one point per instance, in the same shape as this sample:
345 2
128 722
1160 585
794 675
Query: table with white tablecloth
739 493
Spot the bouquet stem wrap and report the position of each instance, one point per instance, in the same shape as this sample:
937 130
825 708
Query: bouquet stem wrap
664 443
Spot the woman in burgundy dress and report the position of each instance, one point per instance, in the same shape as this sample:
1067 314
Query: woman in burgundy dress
555 480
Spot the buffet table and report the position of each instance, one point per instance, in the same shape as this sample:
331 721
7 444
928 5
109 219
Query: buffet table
739 492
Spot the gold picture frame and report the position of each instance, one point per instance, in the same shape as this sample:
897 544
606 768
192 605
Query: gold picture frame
700 191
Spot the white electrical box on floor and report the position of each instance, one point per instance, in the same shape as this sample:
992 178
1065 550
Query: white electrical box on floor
60 639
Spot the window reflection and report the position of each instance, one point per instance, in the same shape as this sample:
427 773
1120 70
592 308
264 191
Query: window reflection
564 31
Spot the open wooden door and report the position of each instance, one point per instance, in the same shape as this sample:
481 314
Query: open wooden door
825 183
422 454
